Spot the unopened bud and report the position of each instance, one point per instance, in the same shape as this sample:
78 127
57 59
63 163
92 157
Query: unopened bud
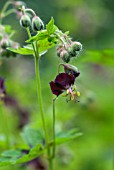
59 50
25 21
4 43
77 46
65 56
37 24
71 52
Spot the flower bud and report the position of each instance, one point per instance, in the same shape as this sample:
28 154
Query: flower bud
37 24
25 21
4 43
76 46
59 50
71 52
4 53
65 56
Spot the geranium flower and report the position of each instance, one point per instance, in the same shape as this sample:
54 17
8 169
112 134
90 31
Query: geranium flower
64 82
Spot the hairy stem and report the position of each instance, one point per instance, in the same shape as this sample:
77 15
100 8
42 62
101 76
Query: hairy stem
37 72
54 144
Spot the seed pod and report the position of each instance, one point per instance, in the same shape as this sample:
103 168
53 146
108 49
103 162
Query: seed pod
37 24
25 21
76 46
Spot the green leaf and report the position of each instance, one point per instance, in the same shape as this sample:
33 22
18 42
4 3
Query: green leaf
105 57
44 45
32 136
34 153
8 29
40 36
64 137
22 51
4 161
10 157
51 27
12 153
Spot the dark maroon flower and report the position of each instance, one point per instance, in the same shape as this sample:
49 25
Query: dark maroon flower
2 88
62 82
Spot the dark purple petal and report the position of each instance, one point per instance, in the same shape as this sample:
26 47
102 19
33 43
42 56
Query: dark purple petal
65 80
55 88
62 82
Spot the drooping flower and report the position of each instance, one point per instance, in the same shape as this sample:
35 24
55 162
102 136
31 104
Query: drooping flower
64 82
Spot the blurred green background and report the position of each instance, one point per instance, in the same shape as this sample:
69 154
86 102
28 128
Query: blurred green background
91 23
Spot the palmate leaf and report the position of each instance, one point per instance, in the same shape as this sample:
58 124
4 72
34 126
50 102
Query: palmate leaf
32 136
64 137
50 27
12 157
44 34
34 153
44 45
34 140
26 50
41 35
105 57
22 51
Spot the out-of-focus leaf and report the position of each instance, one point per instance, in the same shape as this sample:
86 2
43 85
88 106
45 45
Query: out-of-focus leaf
34 153
64 137
99 56
4 161
8 29
12 157
12 153
32 136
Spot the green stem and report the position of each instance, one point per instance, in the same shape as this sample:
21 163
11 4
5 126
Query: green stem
54 144
29 35
10 11
6 6
37 58
40 97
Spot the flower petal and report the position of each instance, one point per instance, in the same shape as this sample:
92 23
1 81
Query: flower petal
55 88
65 80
